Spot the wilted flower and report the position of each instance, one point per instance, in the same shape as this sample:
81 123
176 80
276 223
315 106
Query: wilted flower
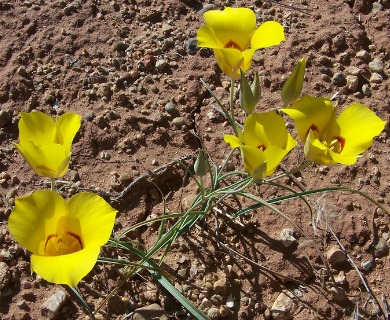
264 143
329 140
233 36
46 144
64 236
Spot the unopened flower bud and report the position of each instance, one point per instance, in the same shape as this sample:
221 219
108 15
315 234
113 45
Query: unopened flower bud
292 88
249 95
201 165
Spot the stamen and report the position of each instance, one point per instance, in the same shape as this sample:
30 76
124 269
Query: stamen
337 144
65 243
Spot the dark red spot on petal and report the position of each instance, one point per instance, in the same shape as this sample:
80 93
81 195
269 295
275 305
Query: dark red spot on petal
233 45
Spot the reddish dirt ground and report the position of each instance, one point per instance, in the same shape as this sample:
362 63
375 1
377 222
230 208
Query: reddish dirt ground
131 69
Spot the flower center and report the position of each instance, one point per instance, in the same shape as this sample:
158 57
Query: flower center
233 45
64 243
335 144
262 147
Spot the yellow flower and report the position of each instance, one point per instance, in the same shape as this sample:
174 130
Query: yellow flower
64 236
46 144
264 143
233 36
329 140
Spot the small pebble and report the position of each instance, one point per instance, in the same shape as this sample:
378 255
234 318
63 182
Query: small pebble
213 313
120 46
105 155
161 64
366 265
376 78
339 41
221 285
381 248
225 312
340 278
90 116
338 79
376 65
182 273
353 71
23 72
352 82
376 7
170 108
205 304
5 118
178 121
366 90
51 307
230 302
4 275
191 46
284 307
287 237
338 295
335 255
362 54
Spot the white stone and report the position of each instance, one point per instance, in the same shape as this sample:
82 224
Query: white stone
376 78
287 237
352 82
284 307
4 275
53 304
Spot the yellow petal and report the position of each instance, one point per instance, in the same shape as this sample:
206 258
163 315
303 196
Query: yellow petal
50 160
232 26
268 34
95 215
206 38
67 126
37 127
318 152
274 156
358 126
311 113
66 269
34 217
265 129
255 162
231 61
232 141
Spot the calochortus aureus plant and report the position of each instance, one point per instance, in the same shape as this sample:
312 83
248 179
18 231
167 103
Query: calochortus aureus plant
263 143
64 237
233 36
46 144
329 139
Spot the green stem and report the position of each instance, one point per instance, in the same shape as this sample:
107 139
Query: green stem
201 187
52 184
232 107
299 168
